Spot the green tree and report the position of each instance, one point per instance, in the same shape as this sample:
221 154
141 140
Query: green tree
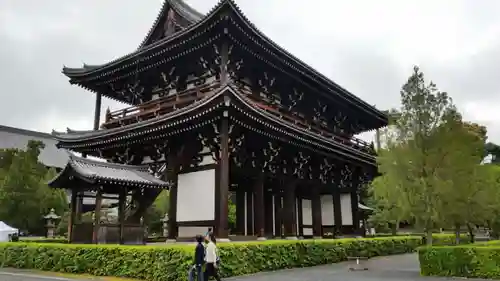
24 194
387 213
466 191
414 153
231 215
157 212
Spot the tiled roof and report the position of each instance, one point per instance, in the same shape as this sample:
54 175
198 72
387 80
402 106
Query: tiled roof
103 173
50 156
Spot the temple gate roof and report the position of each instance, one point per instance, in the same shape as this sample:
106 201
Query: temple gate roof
103 173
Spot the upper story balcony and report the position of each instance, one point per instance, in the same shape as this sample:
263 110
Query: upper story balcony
170 102
176 100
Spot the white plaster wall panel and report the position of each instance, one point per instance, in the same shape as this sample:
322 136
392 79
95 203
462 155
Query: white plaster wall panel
346 209
307 231
192 231
196 196
306 212
327 217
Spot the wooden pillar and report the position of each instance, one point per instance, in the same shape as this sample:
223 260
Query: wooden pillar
97 111
355 212
300 217
289 210
356 187
259 205
240 210
222 188
72 215
250 212
171 175
278 214
121 213
269 213
97 216
316 212
337 211
79 206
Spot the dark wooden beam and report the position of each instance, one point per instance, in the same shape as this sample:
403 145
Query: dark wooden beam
300 215
250 212
269 211
259 205
278 214
354 202
171 174
240 211
337 211
316 212
289 209
121 213
97 216
222 192
72 215
97 111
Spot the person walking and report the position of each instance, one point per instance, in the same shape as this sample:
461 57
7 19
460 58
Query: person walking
211 259
199 258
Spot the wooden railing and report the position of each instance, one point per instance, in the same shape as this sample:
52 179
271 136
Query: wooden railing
303 123
161 106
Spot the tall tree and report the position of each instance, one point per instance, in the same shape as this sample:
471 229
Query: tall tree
414 153
465 188
24 194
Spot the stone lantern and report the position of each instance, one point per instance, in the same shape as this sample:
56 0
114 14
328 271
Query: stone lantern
51 221
165 225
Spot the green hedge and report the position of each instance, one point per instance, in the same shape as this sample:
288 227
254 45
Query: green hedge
480 260
58 240
171 262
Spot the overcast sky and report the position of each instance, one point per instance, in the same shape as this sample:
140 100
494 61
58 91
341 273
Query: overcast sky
368 47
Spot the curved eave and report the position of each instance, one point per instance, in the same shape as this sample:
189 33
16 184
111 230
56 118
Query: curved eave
65 177
78 73
60 180
308 70
138 129
144 125
73 170
180 7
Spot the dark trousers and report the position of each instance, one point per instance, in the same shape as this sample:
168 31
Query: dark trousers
199 273
196 273
211 270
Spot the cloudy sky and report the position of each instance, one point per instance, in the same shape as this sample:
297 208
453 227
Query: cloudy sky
367 46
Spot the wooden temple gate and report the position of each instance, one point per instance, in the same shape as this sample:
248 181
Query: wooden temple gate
217 108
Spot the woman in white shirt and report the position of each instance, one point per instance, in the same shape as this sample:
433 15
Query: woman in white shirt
211 259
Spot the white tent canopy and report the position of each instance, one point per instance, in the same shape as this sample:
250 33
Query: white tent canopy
5 231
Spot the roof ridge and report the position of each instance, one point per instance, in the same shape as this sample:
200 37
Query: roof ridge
138 52
24 132
180 7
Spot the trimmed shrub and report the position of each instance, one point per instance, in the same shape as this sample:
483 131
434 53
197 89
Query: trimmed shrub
480 260
171 262
443 239
58 240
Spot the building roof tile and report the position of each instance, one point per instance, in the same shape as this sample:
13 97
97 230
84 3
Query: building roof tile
102 173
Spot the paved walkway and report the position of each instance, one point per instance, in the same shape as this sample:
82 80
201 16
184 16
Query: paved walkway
393 268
